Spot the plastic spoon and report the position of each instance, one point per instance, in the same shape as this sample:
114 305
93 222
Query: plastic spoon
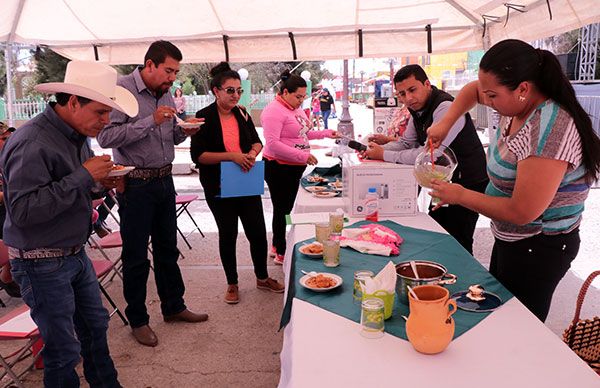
412 293
311 273
413 266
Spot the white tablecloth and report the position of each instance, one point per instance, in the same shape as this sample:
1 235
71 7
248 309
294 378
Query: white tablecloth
510 348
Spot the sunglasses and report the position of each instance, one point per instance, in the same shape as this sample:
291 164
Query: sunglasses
231 90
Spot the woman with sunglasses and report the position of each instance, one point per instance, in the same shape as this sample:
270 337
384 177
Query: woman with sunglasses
229 134
287 152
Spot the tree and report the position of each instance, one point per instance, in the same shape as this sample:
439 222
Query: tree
264 75
2 73
125 69
49 66
198 75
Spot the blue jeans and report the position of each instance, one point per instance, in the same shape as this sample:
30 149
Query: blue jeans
326 114
147 209
64 299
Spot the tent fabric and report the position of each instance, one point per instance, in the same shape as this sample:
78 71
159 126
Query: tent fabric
258 30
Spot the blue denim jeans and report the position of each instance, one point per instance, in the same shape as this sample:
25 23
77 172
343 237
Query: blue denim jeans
326 114
64 299
147 209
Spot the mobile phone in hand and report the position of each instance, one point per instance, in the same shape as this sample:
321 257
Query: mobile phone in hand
355 145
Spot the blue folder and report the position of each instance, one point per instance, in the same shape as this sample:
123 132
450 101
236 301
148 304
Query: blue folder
237 183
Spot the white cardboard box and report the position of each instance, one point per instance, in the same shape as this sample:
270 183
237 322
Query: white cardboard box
395 183
383 113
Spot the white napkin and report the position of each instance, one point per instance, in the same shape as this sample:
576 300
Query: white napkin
385 280
369 247
354 232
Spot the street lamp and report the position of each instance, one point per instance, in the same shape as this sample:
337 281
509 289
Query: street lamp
243 74
305 75
307 102
245 98
362 96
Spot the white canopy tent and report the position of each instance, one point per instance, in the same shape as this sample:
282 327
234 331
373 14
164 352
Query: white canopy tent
119 31
273 30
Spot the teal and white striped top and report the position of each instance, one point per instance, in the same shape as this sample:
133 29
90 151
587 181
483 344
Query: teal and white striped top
549 132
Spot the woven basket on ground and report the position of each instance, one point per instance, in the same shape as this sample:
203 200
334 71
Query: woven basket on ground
583 335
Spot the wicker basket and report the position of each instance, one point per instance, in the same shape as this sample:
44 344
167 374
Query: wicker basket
583 335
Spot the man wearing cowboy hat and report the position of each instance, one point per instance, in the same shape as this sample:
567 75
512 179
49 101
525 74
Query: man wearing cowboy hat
147 205
48 180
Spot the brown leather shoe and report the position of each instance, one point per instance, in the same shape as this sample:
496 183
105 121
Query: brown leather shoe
145 336
270 284
186 316
232 296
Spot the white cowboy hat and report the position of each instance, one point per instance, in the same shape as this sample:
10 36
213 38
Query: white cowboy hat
96 81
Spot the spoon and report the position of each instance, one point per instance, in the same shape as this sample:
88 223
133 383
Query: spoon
413 265
412 292
311 273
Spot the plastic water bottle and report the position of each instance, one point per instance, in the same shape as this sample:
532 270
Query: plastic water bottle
372 205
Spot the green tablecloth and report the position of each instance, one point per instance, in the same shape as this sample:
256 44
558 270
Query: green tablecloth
419 245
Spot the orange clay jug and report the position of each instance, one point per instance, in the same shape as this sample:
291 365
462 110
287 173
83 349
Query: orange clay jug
430 327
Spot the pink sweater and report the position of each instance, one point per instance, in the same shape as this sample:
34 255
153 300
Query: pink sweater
287 133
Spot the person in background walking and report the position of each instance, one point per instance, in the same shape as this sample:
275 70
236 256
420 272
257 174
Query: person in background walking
179 103
327 106
316 109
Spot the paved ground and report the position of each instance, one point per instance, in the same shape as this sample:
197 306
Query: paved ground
240 344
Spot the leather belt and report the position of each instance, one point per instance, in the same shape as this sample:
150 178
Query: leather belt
150 173
42 253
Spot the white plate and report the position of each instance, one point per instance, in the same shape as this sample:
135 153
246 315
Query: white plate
190 125
336 187
302 250
337 278
326 194
124 171
314 189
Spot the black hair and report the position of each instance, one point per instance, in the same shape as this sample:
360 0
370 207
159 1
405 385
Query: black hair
63 98
513 61
160 50
221 73
290 82
411 70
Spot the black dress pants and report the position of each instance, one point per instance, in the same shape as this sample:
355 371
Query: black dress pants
532 268
249 210
283 181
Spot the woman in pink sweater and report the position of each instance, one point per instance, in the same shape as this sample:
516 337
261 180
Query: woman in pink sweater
287 152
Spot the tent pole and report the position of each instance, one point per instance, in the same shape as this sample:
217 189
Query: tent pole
345 126
8 51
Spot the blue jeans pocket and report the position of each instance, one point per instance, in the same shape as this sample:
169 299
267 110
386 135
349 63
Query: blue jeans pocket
47 266
21 277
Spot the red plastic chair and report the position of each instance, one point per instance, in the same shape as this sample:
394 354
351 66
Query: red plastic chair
103 268
18 326
182 202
